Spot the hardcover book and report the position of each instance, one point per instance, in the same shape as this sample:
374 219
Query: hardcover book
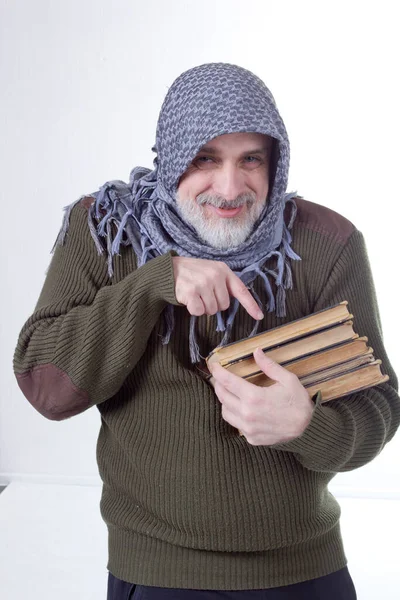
322 350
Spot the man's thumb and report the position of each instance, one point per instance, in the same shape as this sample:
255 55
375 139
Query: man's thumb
271 368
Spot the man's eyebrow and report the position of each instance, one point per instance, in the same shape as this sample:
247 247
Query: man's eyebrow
208 149
211 150
256 151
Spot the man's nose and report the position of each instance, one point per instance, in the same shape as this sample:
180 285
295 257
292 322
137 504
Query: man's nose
228 182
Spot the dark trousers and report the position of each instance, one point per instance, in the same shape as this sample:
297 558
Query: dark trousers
336 586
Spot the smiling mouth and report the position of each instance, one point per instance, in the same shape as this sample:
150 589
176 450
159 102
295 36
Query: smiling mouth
227 212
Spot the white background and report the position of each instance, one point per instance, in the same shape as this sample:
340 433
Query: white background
81 86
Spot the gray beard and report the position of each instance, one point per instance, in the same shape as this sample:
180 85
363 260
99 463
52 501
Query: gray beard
216 231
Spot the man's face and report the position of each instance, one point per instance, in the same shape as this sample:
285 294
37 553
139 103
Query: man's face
224 190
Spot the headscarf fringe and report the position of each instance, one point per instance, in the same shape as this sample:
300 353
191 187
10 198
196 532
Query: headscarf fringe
194 349
169 321
220 322
109 205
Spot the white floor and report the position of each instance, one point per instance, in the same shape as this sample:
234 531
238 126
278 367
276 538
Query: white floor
54 544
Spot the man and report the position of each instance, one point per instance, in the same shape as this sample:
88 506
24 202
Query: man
193 509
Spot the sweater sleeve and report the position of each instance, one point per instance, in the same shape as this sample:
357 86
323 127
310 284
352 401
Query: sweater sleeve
86 335
349 432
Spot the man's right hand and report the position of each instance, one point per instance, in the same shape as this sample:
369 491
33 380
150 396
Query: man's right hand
206 286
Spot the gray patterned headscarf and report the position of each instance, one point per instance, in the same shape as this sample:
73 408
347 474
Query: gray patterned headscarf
205 102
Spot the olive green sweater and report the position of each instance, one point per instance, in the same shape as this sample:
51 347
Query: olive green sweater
188 502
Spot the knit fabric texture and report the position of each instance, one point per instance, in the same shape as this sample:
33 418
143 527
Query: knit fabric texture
203 103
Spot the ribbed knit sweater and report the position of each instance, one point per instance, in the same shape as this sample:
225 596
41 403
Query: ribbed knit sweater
188 502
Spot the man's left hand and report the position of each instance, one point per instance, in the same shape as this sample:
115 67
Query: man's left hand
265 415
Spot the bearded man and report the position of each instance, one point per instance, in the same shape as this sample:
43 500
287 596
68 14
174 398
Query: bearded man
146 279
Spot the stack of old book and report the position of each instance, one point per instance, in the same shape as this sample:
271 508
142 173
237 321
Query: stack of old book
322 349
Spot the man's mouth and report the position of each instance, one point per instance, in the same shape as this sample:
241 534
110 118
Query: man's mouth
227 212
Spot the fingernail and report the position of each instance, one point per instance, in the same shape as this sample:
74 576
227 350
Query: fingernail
260 315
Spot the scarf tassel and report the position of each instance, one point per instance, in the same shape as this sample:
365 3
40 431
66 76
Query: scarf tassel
195 355
169 323
220 322
117 240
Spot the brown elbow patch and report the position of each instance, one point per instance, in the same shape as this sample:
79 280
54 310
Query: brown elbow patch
52 393
87 201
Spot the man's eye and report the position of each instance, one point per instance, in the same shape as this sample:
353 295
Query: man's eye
203 162
252 159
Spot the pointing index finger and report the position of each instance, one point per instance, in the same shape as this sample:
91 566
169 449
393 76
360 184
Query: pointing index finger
239 291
